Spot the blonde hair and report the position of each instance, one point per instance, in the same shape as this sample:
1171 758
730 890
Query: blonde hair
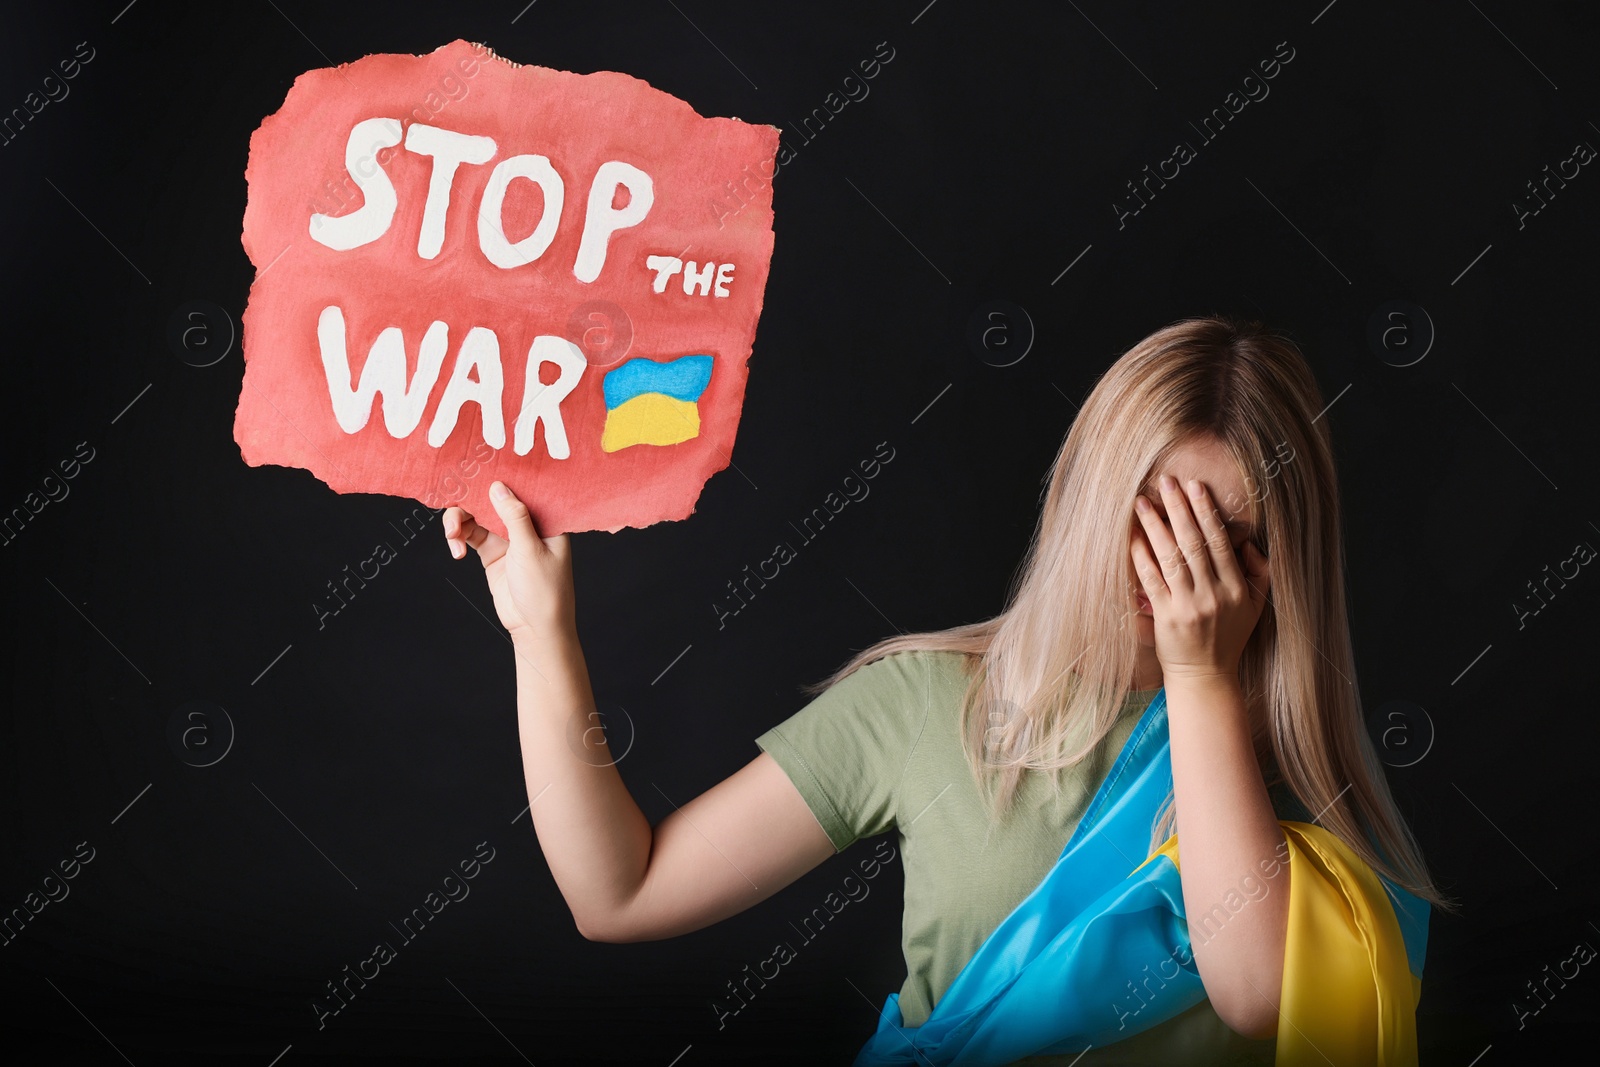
1047 685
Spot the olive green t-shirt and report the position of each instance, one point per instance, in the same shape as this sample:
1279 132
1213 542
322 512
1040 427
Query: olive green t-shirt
881 749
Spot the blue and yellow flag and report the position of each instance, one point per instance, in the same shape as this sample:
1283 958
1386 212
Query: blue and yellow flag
1047 979
651 403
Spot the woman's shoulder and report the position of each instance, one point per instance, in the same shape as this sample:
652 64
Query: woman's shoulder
917 666
901 685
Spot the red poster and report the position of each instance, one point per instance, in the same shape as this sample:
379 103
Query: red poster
470 269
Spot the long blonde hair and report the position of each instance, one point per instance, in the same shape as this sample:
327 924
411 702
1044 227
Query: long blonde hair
1050 674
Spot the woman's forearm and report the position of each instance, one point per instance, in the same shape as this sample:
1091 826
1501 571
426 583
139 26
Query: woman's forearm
593 834
1228 839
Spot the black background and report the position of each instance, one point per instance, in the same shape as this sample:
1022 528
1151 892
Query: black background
378 751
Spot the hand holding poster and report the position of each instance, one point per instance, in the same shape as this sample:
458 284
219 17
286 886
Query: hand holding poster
471 270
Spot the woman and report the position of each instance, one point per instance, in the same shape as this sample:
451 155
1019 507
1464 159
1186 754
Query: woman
1140 682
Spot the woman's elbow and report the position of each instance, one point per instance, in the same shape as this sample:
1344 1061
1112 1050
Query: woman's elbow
623 924
596 928
1248 1014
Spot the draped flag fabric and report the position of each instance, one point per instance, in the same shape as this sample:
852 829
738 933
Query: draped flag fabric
1051 977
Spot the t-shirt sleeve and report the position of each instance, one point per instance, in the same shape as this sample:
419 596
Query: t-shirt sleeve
846 751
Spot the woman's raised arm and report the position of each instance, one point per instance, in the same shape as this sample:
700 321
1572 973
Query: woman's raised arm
733 845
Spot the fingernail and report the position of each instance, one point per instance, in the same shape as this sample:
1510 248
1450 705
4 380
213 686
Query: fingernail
498 491
1141 503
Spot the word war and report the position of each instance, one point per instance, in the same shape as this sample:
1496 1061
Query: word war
647 401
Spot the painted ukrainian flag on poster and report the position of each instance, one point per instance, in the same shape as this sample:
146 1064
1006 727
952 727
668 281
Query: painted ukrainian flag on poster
651 403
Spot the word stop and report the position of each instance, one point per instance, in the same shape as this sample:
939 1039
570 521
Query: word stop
449 151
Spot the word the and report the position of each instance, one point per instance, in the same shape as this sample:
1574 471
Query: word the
1184 153
33 103
783 553
1582 153
694 276
1199 933
383 953
54 489
382 553
449 150
783 952
1582 552
454 89
55 890
1582 953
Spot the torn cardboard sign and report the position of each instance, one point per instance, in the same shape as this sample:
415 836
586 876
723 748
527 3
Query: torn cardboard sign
469 269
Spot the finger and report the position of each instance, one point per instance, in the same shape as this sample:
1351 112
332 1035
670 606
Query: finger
453 520
1219 545
1186 532
1164 548
462 531
514 513
1149 572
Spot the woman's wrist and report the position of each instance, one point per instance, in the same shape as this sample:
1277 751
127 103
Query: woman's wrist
1201 681
542 639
